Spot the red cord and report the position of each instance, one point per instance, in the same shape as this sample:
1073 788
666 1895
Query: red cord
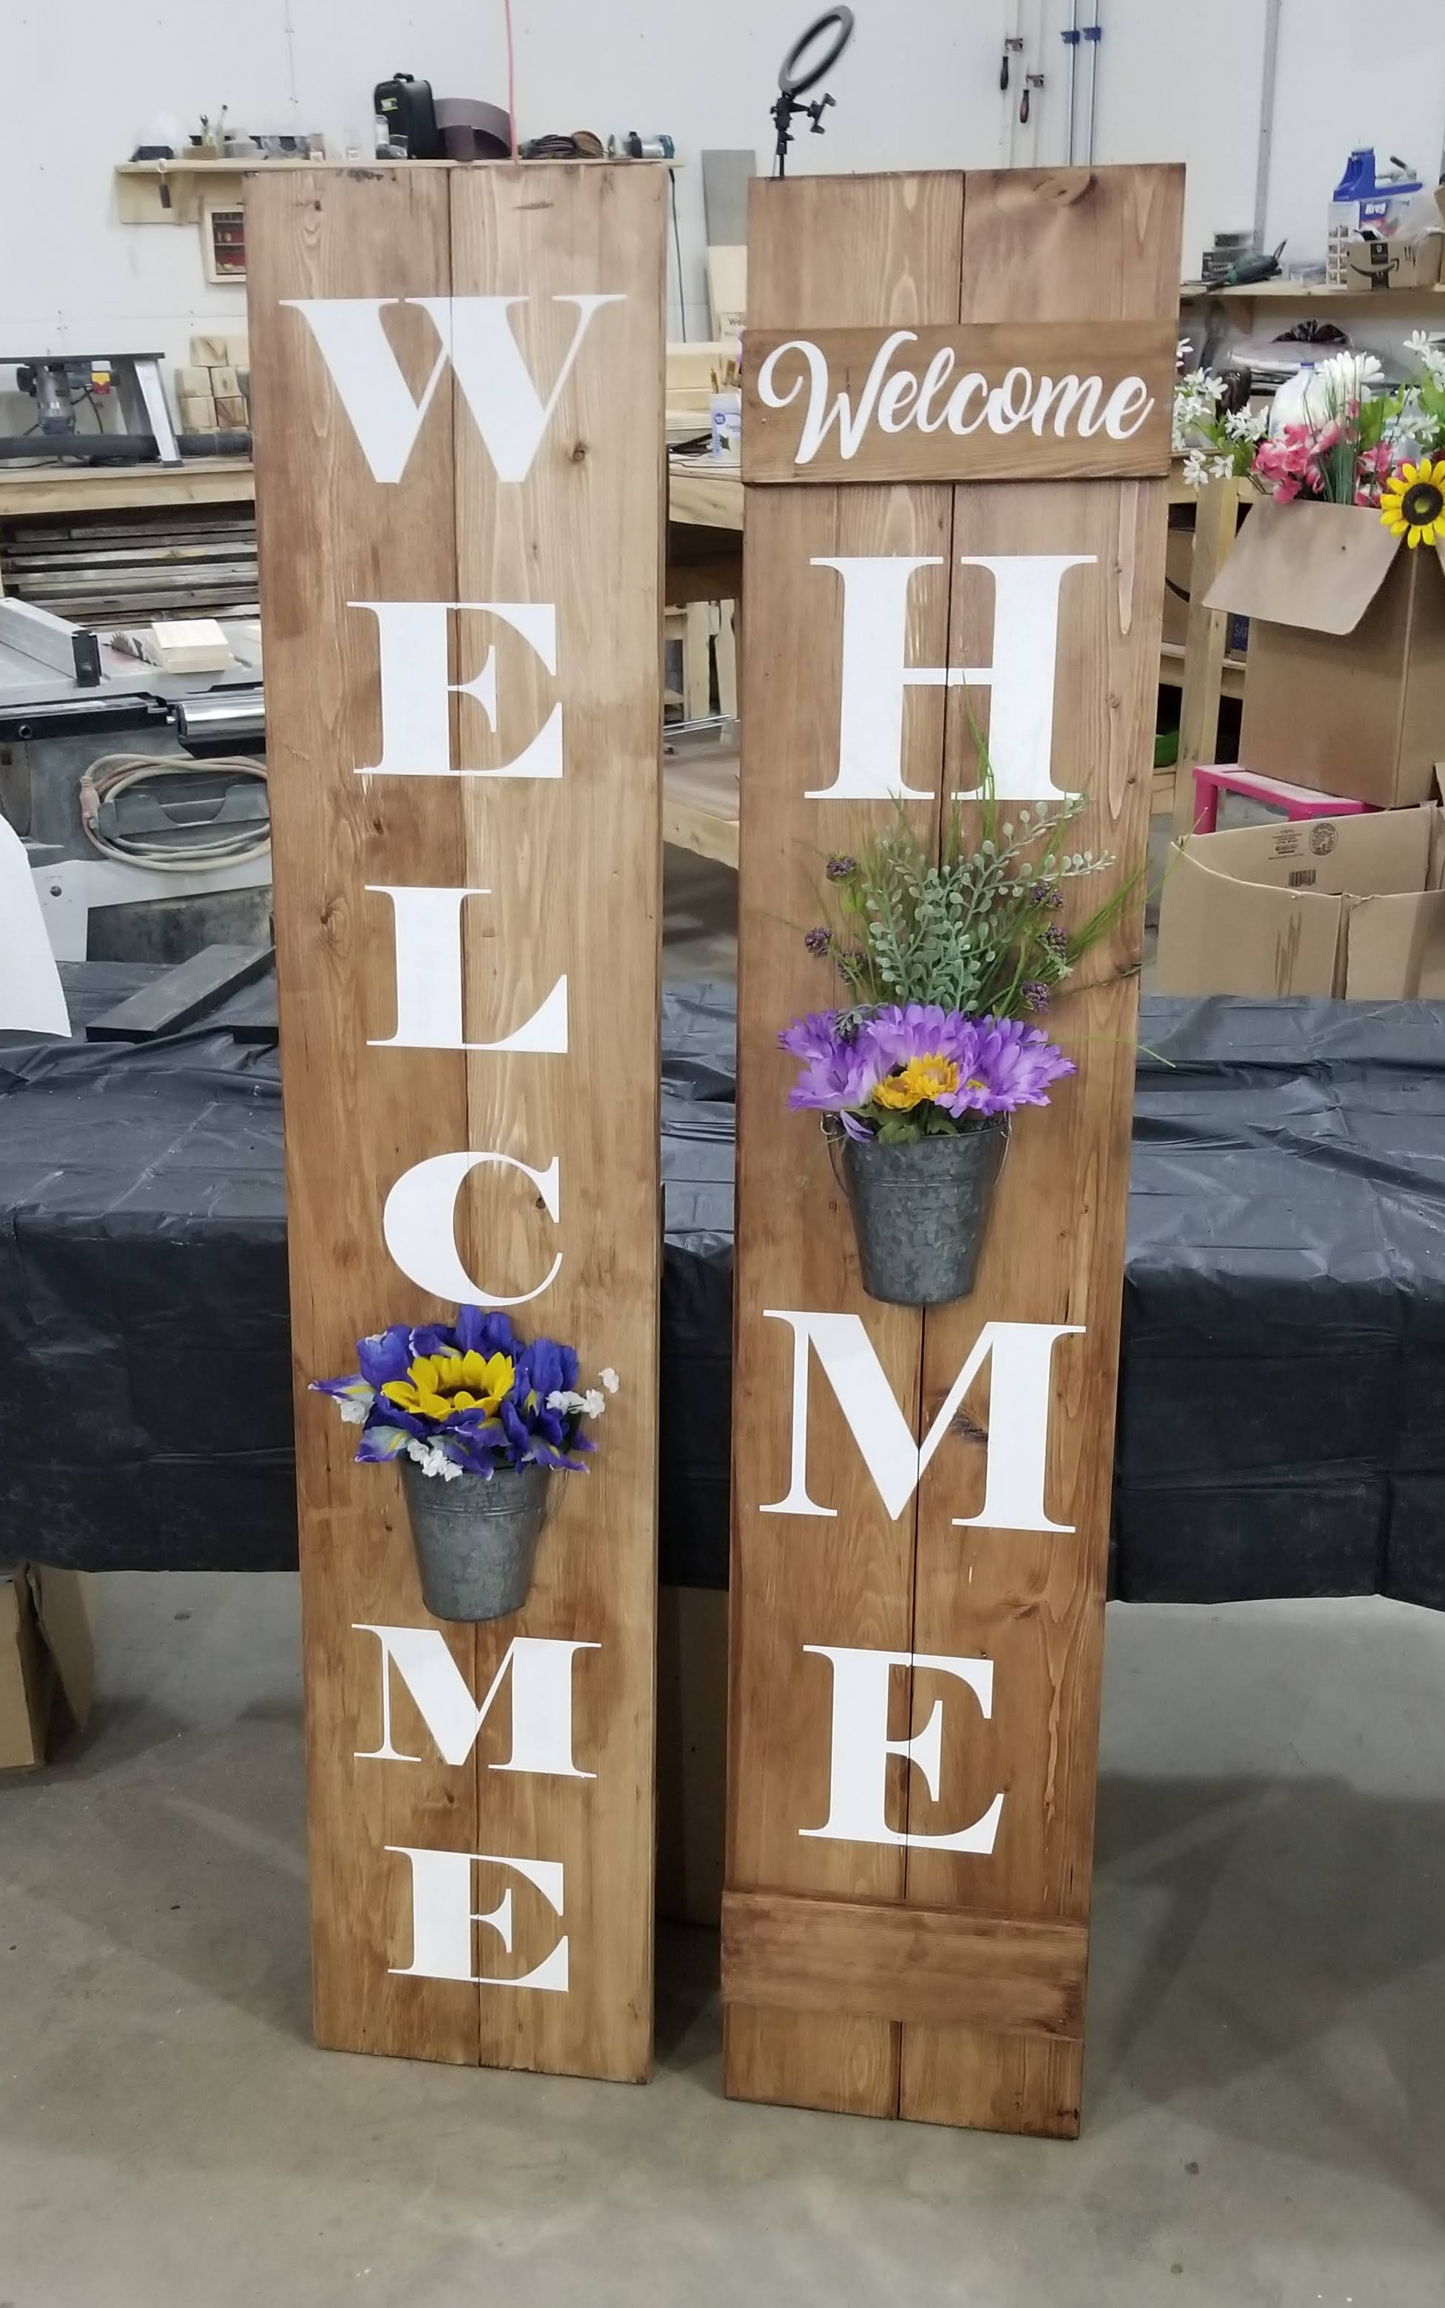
511 77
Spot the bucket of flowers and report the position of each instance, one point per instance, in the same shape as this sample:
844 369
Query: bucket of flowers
945 968
1339 434
479 1421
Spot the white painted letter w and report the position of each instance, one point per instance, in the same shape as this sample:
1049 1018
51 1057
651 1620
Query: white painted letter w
476 336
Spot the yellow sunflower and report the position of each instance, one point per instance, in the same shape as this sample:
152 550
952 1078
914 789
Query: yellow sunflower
438 1384
1412 503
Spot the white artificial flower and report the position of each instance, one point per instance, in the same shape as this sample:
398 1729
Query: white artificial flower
1344 377
352 1413
594 1403
1246 424
1430 353
610 1379
433 1460
1195 398
1194 469
561 1398
1220 468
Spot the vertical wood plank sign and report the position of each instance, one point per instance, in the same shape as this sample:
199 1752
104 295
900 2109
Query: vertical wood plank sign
458 389
955 446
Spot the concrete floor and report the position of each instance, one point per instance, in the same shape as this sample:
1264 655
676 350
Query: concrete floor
1264 2126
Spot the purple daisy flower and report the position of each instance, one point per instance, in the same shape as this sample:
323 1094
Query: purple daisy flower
815 1036
1014 1066
842 1066
902 1057
921 1030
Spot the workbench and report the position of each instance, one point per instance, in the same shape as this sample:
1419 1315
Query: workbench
27 490
704 563
701 500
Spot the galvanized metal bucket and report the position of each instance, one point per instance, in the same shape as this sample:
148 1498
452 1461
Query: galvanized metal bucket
476 1542
920 1211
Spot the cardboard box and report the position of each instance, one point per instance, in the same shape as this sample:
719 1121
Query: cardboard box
46 1662
1348 907
1392 264
1346 687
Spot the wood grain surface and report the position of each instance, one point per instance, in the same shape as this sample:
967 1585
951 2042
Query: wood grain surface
928 1966
578 866
573 874
1109 355
1020 249
1104 243
818 250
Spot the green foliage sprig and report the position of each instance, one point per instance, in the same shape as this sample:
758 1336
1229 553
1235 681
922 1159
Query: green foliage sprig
976 930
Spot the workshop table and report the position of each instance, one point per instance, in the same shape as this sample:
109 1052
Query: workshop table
1283 1352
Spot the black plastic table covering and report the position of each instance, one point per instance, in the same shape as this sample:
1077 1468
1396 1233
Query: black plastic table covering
1280 1428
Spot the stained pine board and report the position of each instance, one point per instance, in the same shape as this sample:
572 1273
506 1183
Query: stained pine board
1094 230
576 868
356 1117
1056 247
927 1966
821 251
917 442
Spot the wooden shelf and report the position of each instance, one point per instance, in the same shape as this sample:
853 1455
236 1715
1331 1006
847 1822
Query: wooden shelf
1171 670
1304 292
121 488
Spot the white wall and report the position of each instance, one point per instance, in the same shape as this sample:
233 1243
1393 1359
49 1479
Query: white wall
919 86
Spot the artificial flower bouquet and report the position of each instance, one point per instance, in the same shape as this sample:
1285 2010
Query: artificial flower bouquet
915 1070
1348 439
471 1399
467 1400
945 967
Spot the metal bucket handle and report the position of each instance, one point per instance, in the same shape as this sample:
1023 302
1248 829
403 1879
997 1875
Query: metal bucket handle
833 1139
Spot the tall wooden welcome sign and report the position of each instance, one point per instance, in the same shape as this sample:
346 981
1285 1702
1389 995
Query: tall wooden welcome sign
956 446
458 390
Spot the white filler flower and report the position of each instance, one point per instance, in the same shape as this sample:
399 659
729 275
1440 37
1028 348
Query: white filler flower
433 1460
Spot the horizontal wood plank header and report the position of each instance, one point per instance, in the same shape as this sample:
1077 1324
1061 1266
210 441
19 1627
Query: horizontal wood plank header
996 401
923 1966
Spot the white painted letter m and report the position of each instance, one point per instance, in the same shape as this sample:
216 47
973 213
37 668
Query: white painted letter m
1020 1388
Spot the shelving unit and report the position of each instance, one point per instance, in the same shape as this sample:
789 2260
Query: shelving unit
179 191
